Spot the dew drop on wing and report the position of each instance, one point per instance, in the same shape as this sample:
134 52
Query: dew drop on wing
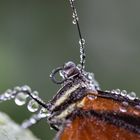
123 92
131 95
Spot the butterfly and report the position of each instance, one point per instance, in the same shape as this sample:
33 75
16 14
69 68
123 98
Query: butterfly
80 110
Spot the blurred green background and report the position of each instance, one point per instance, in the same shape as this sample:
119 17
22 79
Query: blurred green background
37 36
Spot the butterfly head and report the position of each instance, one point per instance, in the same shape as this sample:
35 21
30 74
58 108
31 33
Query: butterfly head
71 72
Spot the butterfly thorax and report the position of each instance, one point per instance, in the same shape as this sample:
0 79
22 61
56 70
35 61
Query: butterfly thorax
76 84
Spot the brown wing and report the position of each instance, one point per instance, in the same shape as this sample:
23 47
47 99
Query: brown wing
84 128
103 118
114 103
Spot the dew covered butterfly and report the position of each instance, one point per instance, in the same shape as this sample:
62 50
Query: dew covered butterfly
80 110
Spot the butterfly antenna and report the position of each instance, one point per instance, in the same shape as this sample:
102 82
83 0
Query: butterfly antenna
81 40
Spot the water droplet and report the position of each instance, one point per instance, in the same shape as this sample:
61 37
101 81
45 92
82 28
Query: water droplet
26 88
82 42
32 106
20 98
90 76
8 93
69 64
74 14
32 120
13 94
74 21
123 92
92 97
113 91
2 98
124 103
43 112
17 88
131 95
35 94
117 91
79 66
124 106
123 109
71 2
108 91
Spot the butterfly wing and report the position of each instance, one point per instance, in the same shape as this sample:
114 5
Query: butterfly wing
103 117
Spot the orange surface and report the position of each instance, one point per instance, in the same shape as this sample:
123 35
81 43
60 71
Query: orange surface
105 104
93 129
86 128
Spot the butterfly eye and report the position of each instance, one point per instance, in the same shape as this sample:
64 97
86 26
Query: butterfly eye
70 70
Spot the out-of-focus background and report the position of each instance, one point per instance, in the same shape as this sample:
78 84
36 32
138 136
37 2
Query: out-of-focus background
37 36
